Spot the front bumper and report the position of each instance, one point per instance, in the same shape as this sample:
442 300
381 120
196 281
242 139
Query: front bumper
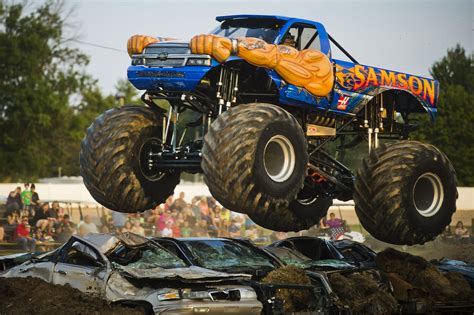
209 307
166 78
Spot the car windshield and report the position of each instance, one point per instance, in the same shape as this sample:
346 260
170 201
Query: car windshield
145 257
226 254
290 257
294 258
266 29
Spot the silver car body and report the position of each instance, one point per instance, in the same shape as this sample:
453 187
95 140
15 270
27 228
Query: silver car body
194 289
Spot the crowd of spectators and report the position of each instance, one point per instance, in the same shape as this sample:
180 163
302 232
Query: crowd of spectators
32 222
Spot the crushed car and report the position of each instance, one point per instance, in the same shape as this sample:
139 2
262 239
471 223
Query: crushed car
348 268
128 269
321 250
241 256
453 265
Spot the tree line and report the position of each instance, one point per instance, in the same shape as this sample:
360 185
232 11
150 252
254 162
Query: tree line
47 99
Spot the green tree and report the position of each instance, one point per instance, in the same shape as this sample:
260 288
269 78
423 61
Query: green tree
452 132
39 76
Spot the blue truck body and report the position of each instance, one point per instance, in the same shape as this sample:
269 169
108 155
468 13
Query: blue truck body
355 84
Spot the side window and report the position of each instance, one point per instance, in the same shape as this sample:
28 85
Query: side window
173 248
310 39
302 37
82 255
291 38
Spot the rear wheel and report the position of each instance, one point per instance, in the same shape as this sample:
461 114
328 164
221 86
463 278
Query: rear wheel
405 193
114 157
254 162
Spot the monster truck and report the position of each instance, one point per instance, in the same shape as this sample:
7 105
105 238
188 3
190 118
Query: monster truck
255 106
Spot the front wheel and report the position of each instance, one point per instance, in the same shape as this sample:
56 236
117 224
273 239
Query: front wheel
405 193
114 157
254 162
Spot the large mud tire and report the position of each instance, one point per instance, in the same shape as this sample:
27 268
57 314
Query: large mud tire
110 160
240 173
405 193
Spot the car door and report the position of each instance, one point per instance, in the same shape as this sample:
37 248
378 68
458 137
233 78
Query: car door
81 266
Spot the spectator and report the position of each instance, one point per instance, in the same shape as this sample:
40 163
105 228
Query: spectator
336 226
119 219
234 229
13 219
82 230
137 228
201 229
40 220
14 201
278 236
185 229
164 217
127 227
252 232
203 207
35 201
168 230
168 203
195 208
26 196
176 227
225 218
57 210
89 226
188 216
461 231
2 233
65 229
179 204
22 235
111 225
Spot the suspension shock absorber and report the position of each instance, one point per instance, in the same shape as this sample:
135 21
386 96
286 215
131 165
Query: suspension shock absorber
219 89
235 89
228 87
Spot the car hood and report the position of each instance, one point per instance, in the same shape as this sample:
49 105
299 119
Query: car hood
185 274
331 264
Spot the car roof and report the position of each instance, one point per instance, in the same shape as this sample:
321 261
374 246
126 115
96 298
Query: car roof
185 239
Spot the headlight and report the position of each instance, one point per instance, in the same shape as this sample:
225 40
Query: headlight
199 295
198 62
137 61
170 295
247 294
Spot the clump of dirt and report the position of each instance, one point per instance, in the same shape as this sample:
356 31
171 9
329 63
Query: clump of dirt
362 293
461 286
35 296
430 283
294 299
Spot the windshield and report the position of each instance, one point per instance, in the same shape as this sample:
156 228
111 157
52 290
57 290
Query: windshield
224 254
266 29
145 257
294 258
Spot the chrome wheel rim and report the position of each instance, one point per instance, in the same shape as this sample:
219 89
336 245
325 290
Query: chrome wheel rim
428 194
279 158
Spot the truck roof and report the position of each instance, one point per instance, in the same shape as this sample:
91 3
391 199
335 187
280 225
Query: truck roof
252 16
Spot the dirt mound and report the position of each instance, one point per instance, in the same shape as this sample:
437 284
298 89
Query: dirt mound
362 293
294 299
34 296
430 283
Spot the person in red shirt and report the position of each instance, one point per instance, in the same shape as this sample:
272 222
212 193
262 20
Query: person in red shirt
23 236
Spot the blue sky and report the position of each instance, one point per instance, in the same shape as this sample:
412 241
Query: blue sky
401 35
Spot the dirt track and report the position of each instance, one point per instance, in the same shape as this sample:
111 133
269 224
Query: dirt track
34 296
